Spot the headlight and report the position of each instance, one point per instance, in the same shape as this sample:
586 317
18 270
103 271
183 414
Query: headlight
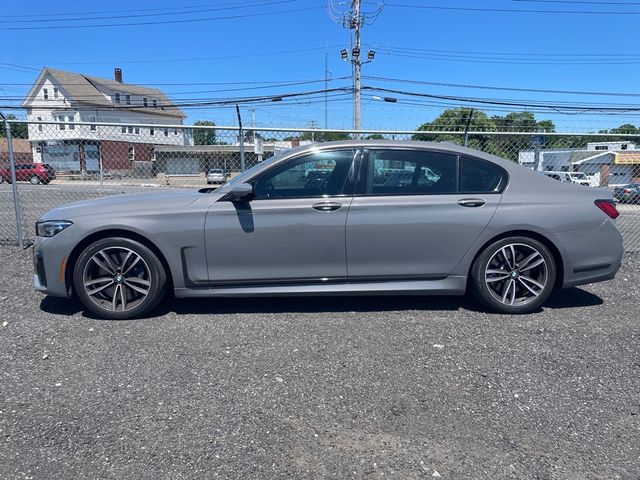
51 228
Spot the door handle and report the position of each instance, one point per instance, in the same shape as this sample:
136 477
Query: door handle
471 202
326 206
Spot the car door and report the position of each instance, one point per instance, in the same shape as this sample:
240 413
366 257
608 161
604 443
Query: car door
416 213
291 231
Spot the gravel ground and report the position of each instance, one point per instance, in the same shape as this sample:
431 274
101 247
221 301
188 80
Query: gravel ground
321 388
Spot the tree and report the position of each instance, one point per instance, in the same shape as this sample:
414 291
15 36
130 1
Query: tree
204 136
375 136
324 136
18 130
455 120
625 128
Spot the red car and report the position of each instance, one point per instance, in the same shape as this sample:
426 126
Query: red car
36 173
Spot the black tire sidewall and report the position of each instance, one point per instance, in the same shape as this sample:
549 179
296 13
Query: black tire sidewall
156 269
481 291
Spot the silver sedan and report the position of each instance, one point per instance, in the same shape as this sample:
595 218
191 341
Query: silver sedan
353 217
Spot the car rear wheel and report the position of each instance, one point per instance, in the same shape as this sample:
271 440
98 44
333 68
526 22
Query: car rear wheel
514 275
119 278
35 180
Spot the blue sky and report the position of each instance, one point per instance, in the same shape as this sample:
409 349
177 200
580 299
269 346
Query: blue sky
272 42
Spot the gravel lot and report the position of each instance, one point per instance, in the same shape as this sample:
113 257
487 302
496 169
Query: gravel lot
321 388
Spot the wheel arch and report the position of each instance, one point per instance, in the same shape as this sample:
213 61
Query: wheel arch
108 233
557 256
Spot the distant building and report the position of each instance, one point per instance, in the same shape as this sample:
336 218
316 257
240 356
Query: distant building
21 151
612 163
65 97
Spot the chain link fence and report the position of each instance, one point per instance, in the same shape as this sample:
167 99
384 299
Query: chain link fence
62 162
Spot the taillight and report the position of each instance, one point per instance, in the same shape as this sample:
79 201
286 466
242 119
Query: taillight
608 207
627 191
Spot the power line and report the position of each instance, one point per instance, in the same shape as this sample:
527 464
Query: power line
509 89
524 104
53 14
578 1
178 60
254 3
164 22
513 10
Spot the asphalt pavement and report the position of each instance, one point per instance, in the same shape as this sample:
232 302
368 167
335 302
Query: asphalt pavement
400 387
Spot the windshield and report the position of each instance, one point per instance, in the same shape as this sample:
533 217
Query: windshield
579 175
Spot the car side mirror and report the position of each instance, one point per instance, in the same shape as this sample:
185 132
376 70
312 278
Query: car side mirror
240 192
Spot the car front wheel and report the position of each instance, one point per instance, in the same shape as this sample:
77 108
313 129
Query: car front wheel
119 278
514 275
35 180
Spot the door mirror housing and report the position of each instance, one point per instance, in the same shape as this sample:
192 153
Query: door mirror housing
240 192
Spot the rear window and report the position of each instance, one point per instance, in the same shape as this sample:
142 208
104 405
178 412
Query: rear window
215 170
477 176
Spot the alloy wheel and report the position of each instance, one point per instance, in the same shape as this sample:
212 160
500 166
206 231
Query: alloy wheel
117 279
516 274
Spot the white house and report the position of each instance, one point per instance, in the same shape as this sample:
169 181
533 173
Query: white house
66 98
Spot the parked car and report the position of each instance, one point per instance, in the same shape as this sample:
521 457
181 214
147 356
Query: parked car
629 193
36 173
580 178
484 226
216 175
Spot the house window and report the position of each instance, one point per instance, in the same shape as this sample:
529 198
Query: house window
602 147
130 129
132 153
45 93
137 130
124 129
62 125
144 101
128 99
623 146
55 92
92 119
71 125
117 97
175 131
155 103
40 126
152 131
166 132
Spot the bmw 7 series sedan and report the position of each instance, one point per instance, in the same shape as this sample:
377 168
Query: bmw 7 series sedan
353 218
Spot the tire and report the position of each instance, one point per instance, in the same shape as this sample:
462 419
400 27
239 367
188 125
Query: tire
35 180
119 279
1 179
513 287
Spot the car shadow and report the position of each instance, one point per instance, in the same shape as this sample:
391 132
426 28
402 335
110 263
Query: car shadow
573 297
569 298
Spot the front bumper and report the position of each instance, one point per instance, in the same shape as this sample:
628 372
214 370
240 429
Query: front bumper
50 257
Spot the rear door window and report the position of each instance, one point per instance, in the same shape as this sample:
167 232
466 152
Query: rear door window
409 172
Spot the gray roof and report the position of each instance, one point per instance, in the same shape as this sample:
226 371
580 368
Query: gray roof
83 90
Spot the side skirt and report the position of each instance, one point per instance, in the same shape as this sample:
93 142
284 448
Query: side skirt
454 285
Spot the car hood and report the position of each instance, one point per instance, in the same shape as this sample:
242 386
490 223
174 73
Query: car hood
147 202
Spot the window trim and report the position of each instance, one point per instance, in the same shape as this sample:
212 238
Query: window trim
361 178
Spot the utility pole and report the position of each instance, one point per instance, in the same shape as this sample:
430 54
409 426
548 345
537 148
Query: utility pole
354 20
357 65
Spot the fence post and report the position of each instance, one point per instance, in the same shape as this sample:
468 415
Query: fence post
241 133
14 185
